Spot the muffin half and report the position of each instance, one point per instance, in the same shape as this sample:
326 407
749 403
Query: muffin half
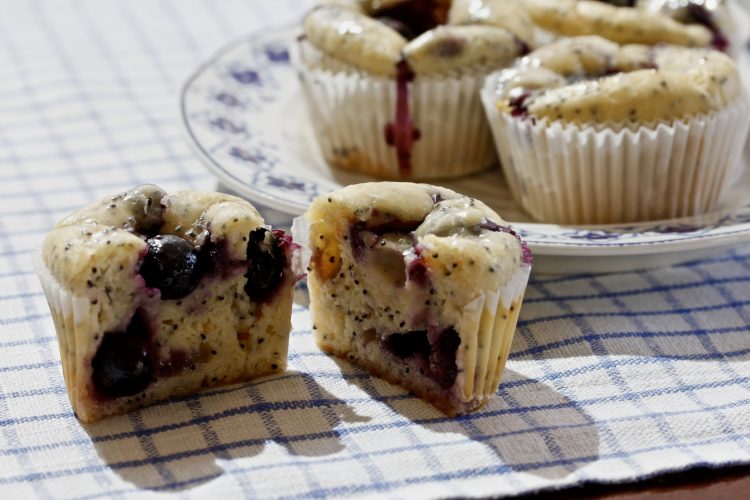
155 295
418 284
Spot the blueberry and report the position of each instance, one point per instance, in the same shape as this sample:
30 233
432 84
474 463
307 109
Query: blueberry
171 265
443 368
440 357
123 366
265 264
415 17
398 25
406 345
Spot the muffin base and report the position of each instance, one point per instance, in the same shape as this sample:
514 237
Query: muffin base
485 330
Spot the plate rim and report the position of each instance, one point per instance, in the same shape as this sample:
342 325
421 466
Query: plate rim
555 247
195 146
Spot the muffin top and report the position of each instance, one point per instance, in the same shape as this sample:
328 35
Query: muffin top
431 36
592 80
109 237
715 15
614 21
453 235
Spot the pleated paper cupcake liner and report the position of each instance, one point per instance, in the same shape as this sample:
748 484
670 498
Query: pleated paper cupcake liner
74 318
350 111
571 174
488 327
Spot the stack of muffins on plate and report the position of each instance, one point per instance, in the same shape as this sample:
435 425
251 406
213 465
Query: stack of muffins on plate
601 111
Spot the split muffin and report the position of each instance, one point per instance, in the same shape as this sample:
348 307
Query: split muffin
417 284
592 132
155 295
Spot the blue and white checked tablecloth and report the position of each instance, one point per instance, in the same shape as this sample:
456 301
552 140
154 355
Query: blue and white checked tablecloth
612 377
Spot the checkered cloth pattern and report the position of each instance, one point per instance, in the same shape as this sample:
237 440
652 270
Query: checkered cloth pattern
612 377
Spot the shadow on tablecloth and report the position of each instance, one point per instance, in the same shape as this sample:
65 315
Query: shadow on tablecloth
516 426
181 444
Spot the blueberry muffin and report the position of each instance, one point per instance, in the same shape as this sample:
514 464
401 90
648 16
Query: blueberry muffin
155 295
592 132
419 285
392 86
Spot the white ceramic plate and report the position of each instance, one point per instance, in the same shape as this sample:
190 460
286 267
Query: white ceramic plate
244 116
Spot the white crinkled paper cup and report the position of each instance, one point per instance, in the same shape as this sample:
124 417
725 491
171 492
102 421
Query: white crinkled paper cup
74 318
488 327
570 174
350 111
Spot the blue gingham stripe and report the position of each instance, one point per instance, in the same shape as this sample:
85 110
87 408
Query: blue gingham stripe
612 377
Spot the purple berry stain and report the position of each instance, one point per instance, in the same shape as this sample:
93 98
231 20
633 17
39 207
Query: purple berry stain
518 105
401 133
701 15
417 272
526 255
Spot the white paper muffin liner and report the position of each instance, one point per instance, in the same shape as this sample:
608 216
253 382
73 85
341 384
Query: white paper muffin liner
350 110
488 327
571 174
74 318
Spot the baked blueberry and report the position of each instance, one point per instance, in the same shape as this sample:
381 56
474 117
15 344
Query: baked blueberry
413 17
171 265
265 267
437 359
406 345
443 367
123 365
